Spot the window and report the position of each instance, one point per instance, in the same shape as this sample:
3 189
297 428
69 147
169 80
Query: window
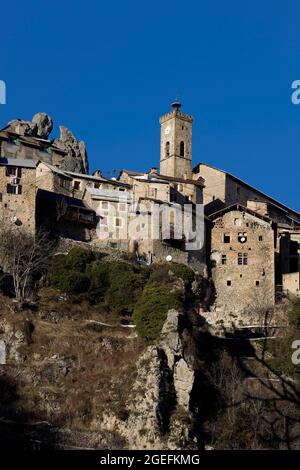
121 189
181 152
14 189
226 238
119 222
64 182
76 185
228 282
260 238
13 171
224 259
96 185
0 197
104 205
167 149
257 283
242 258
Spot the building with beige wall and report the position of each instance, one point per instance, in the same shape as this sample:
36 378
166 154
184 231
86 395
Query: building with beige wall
17 193
242 260
291 283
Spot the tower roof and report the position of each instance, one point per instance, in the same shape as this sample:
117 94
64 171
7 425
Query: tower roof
176 104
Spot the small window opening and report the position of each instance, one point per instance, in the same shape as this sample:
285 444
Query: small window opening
228 283
167 149
182 148
76 185
224 259
226 238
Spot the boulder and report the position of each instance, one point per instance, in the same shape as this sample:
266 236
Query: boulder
44 125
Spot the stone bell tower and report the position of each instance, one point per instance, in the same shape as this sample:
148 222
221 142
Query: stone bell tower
176 143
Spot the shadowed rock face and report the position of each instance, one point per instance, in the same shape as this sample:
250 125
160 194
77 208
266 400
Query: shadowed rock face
41 127
76 158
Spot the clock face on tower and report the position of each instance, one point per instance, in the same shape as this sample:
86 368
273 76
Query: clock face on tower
167 130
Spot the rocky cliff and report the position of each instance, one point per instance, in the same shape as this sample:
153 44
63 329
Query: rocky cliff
112 392
40 127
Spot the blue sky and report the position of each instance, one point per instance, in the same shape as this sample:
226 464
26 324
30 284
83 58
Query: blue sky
108 70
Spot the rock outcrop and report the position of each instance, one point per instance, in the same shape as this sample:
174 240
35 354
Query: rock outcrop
41 126
44 125
160 414
76 158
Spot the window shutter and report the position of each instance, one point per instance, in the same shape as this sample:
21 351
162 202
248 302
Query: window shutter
19 172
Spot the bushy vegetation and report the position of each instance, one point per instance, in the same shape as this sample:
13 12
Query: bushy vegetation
116 283
124 287
165 273
294 314
151 309
183 272
78 258
74 282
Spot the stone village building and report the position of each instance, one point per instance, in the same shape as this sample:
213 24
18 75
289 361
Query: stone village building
252 246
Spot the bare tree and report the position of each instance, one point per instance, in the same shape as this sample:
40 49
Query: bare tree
25 257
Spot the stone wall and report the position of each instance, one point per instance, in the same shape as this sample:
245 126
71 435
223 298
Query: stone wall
19 209
243 272
291 283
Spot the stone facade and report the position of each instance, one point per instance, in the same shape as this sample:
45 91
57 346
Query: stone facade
17 193
242 260
291 283
176 143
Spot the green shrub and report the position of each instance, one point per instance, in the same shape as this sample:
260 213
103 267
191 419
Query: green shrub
78 258
294 314
125 287
73 282
151 309
57 270
161 274
98 273
183 272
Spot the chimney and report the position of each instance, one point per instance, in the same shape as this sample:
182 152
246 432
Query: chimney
154 171
97 173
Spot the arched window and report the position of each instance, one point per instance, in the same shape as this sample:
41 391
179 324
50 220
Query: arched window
182 148
167 149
